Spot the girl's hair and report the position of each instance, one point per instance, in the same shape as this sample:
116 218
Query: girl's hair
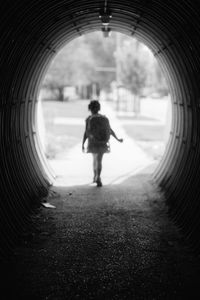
94 106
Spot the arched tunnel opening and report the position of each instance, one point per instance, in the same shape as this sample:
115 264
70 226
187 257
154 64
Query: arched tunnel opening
124 76
32 33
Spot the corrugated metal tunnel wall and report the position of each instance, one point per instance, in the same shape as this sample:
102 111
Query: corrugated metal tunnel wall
32 32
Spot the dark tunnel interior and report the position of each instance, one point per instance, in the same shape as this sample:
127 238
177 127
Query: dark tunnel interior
32 32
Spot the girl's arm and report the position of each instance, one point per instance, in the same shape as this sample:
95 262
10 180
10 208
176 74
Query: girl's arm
84 139
114 135
84 135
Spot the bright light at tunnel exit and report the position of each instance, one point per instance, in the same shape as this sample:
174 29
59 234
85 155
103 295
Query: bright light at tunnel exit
140 115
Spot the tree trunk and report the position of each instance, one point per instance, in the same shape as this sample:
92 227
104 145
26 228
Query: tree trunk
61 94
136 105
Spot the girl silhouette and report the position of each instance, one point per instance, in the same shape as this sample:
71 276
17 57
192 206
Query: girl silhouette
97 131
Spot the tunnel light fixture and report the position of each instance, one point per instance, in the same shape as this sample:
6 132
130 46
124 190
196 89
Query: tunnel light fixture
106 31
105 14
105 17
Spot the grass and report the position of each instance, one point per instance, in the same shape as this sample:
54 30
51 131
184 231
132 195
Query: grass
145 132
60 137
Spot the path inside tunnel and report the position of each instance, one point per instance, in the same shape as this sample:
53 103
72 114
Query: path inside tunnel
114 242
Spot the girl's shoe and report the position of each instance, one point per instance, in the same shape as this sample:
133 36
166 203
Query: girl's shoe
99 183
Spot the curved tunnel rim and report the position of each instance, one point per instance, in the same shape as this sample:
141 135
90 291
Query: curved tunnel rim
175 47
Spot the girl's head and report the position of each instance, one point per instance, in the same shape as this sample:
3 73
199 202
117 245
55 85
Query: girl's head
94 106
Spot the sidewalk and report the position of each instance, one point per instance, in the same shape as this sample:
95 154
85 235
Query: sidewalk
126 159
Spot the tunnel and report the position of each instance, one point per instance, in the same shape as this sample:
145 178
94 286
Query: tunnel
32 33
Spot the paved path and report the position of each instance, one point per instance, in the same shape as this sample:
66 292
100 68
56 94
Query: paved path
114 242
125 159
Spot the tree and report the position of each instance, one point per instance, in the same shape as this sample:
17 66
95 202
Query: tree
103 52
73 65
159 81
134 65
77 63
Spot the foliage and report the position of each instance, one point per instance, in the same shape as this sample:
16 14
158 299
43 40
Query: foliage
77 64
103 50
73 65
134 65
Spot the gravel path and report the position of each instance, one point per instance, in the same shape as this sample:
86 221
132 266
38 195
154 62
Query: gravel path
114 242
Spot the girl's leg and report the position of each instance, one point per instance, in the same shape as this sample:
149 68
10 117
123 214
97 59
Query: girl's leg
99 168
95 166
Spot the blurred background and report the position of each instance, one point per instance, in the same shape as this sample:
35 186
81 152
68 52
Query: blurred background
125 77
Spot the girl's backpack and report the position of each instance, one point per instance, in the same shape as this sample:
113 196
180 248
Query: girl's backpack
98 128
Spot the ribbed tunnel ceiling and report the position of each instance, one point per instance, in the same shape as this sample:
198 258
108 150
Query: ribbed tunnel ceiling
32 32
